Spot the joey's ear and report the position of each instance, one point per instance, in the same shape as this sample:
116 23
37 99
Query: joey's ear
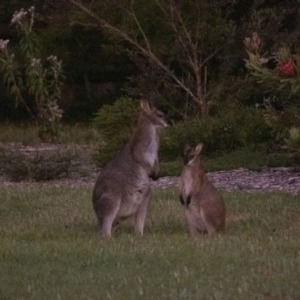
146 106
198 148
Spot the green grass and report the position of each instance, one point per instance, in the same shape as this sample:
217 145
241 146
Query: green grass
252 160
28 134
243 158
50 250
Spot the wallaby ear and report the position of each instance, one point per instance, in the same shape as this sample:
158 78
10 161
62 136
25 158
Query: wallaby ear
146 106
198 148
185 149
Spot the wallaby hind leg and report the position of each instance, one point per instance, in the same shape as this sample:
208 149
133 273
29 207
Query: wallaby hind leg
107 226
193 230
194 223
140 216
106 218
210 227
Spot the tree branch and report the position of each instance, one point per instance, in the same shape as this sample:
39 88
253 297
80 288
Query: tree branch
140 29
144 51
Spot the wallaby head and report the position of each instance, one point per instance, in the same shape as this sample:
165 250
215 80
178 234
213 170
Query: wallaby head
191 154
152 115
123 188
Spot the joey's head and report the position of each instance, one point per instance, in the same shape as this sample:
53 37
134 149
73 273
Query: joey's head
191 154
156 117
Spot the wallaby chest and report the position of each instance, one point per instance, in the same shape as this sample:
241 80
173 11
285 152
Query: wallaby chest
186 182
151 154
151 148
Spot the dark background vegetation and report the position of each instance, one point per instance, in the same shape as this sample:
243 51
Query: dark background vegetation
101 70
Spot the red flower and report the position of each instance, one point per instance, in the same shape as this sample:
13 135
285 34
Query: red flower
286 68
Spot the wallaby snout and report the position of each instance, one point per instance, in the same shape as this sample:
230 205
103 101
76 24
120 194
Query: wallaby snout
204 206
123 188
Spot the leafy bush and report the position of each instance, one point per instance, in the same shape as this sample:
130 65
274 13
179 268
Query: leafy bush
281 120
115 124
292 143
231 129
282 81
28 78
240 158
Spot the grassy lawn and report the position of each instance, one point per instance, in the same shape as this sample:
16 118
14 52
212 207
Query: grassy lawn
242 158
50 250
28 134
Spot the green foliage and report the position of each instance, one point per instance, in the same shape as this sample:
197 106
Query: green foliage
284 83
230 129
24 133
281 120
282 79
115 124
292 142
27 78
181 74
250 159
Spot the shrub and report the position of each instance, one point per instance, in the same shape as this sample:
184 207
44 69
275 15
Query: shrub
281 120
279 75
30 79
231 129
115 124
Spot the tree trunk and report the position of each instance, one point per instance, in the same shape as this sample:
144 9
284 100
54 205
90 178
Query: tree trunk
204 108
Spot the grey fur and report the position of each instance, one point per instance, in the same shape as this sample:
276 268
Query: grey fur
123 188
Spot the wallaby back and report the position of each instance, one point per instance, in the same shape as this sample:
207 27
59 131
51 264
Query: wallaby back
204 205
122 189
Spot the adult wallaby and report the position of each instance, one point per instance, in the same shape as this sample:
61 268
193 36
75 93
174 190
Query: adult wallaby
123 187
204 205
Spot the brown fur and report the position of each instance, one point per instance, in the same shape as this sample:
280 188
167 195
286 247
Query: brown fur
122 189
203 204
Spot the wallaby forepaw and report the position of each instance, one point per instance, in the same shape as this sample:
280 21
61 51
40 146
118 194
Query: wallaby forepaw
154 176
181 199
188 199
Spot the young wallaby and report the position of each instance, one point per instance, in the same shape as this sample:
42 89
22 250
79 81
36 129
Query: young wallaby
204 206
123 187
